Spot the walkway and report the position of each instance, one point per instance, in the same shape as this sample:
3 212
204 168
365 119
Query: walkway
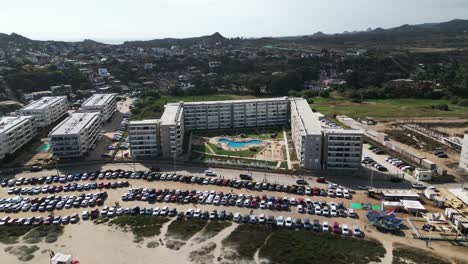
287 149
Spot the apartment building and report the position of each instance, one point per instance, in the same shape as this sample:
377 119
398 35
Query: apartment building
236 113
464 154
75 135
46 110
342 149
106 104
172 130
15 132
144 138
322 146
306 134
318 144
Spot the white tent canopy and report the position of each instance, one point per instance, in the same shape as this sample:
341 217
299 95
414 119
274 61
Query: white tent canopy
411 205
60 258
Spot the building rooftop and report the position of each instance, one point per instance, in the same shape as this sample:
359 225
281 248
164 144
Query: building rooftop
172 114
98 100
144 122
44 102
309 120
74 124
238 101
9 122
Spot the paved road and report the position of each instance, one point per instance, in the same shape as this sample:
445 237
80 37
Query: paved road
349 179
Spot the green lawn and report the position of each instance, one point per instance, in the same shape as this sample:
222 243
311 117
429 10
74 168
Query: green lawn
386 108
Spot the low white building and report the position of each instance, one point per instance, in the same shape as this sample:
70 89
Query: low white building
144 138
106 104
15 132
464 154
75 135
46 110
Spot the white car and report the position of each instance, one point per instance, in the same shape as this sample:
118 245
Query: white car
339 192
104 210
247 202
308 191
325 227
237 217
289 222
333 211
261 219
197 213
318 210
217 200
351 213
111 212
357 231
331 193
300 209
345 230
280 221
156 211
292 201
164 211
210 173
346 194
119 211
325 211
262 205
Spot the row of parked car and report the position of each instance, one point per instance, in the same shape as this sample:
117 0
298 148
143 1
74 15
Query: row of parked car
399 163
376 150
240 200
39 220
371 162
51 189
156 176
51 202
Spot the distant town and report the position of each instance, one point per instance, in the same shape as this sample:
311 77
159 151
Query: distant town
303 149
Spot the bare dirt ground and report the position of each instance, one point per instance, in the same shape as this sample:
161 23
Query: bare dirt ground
450 163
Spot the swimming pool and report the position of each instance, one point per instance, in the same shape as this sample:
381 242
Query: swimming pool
240 144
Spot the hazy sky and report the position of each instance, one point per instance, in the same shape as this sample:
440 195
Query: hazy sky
145 19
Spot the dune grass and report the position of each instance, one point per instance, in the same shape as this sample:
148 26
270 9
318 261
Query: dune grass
291 246
184 230
403 254
142 226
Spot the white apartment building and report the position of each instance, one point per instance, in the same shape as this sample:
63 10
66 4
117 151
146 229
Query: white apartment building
144 138
46 110
15 132
306 134
464 154
75 135
235 113
172 130
319 146
104 103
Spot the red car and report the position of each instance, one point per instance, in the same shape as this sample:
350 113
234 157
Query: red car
160 198
321 180
336 228
254 203
316 191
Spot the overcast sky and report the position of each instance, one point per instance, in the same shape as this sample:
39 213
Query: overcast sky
146 19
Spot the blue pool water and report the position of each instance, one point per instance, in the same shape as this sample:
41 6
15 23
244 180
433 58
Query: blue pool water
43 148
240 144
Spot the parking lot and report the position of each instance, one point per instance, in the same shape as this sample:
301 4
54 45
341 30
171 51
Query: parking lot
69 195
